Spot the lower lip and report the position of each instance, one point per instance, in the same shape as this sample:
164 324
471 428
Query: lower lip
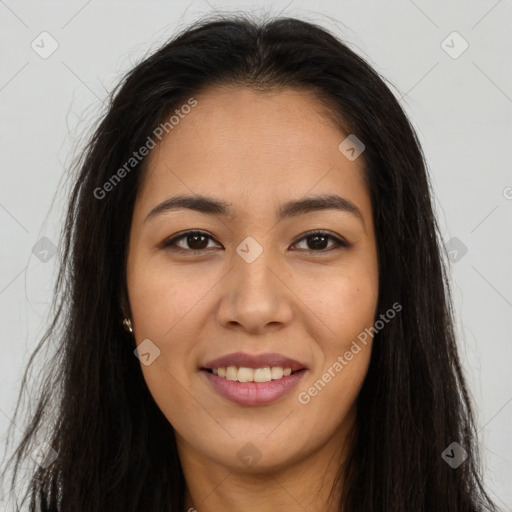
253 393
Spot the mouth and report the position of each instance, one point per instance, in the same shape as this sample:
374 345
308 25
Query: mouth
253 379
253 386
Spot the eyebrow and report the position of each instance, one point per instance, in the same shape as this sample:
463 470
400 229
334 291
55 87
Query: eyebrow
211 206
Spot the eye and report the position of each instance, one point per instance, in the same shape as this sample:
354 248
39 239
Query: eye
197 242
318 239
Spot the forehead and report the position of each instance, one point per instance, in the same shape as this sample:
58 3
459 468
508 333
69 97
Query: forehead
252 147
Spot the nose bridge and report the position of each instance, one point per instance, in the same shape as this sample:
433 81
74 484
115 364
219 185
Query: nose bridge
252 266
255 295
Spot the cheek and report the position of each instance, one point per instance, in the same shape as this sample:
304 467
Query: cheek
347 307
166 308
168 312
346 303
163 301
172 322
170 388
356 309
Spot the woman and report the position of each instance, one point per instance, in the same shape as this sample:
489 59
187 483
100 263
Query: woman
254 307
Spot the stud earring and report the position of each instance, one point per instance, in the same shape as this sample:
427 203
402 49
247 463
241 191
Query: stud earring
127 323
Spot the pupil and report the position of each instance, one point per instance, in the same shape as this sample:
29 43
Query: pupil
195 237
316 238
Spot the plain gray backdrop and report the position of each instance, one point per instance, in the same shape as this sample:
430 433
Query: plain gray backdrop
449 63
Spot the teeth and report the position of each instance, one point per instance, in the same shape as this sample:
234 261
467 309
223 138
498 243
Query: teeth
231 373
277 372
245 375
261 374
242 374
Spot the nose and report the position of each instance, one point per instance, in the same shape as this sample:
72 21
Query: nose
255 296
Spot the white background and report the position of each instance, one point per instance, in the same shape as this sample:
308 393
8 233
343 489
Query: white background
461 108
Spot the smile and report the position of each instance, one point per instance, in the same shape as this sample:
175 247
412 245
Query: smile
253 379
249 392
244 374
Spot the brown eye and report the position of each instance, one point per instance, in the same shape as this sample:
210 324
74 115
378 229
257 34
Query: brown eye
193 241
317 241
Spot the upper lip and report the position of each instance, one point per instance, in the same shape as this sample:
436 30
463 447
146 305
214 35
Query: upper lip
241 359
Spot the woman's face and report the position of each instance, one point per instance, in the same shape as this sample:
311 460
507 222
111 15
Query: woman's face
253 282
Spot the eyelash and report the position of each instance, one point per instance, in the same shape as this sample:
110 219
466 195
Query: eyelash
170 244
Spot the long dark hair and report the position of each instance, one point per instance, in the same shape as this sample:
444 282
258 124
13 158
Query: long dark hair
116 450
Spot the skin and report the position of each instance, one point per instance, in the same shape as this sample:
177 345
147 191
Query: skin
256 151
